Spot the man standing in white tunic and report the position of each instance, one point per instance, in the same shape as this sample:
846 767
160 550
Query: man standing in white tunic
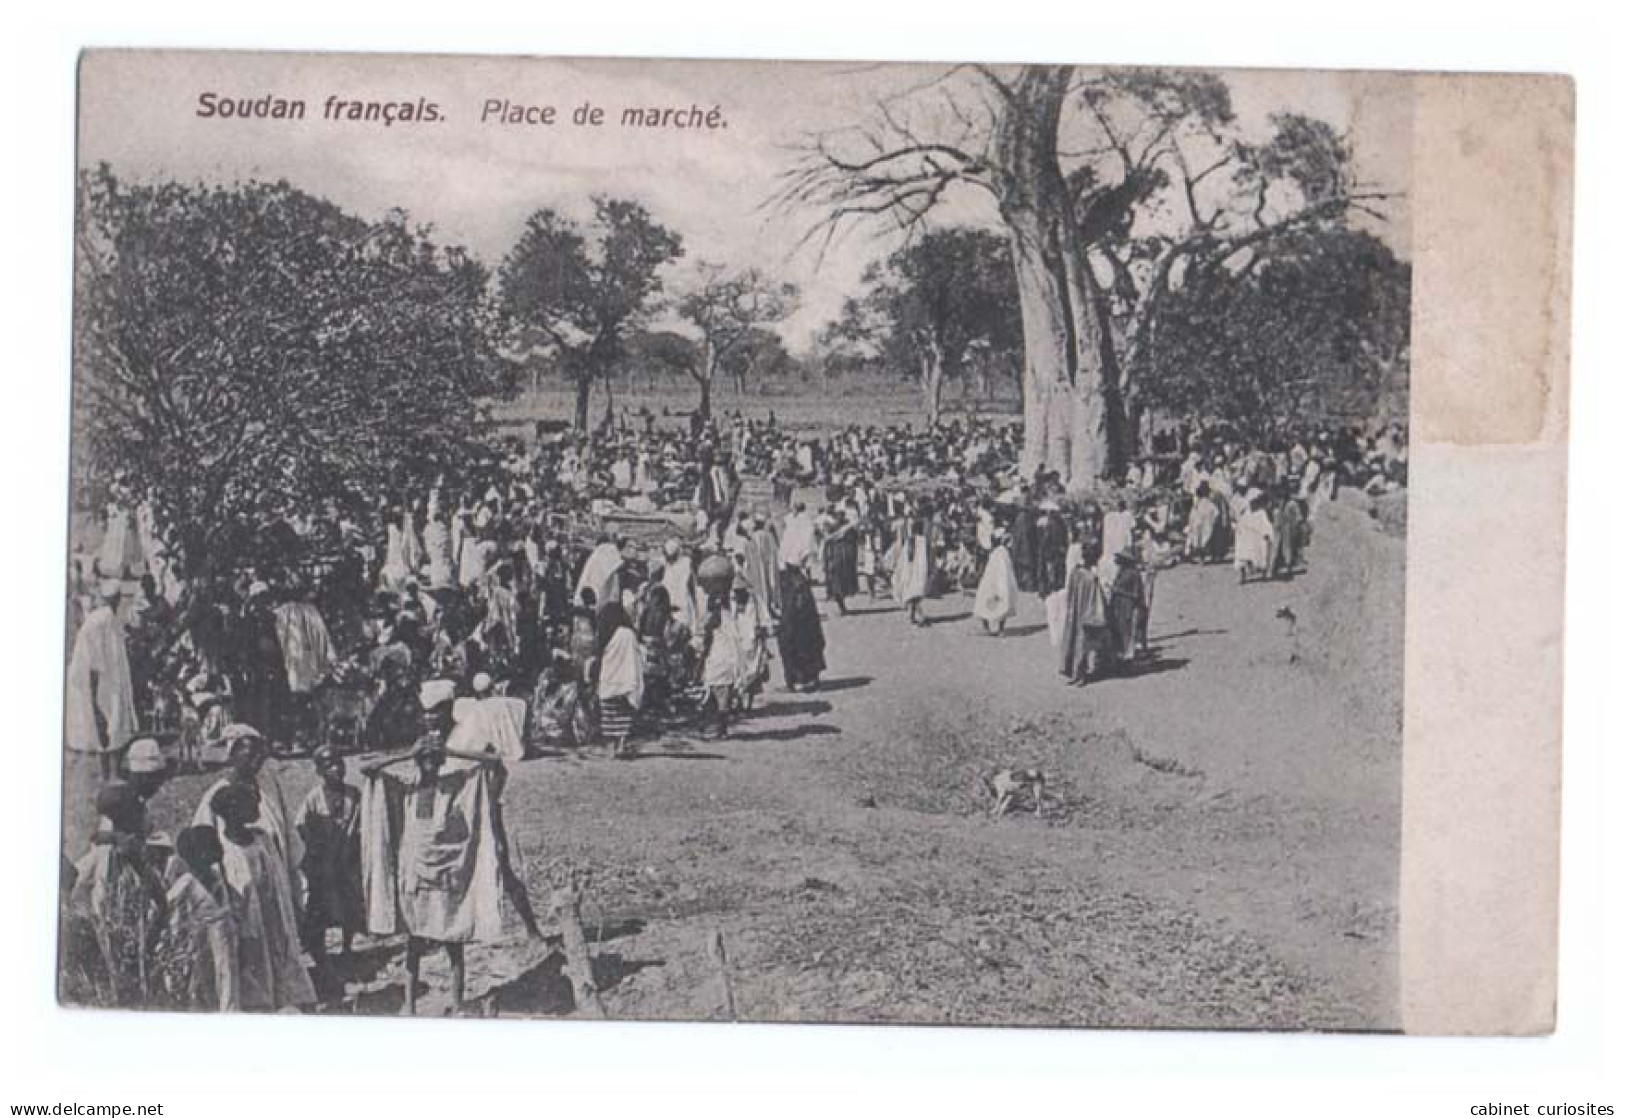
101 714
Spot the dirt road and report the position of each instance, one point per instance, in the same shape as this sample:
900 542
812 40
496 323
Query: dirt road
1220 846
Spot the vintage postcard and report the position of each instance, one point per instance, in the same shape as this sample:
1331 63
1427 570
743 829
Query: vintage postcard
816 542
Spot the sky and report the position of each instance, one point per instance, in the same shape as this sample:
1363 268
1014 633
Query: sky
476 183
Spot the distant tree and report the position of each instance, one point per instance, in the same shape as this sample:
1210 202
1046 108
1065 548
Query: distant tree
665 353
933 304
728 309
579 293
1316 324
248 346
759 358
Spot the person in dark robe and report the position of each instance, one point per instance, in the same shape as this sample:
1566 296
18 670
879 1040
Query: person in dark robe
1288 535
653 629
1123 603
1085 637
801 632
1024 547
1052 545
261 680
841 560
329 822
396 720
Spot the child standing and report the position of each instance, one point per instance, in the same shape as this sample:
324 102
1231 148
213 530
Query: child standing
272 976
329 823
200 945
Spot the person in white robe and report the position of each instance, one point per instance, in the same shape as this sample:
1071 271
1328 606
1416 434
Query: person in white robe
678 579
307 648
437 544
272 975
1116 536
395 570
600 573
201 951
488 723
247 753
100 715
996 592
122 555
1255 538
1055 604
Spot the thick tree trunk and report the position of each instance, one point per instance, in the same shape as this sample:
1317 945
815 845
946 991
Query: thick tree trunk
705 397
1070 402
583 402
931 383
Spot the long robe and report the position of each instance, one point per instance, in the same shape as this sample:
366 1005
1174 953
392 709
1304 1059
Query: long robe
330 829
395 570
438 548
99 649
272 975
911 562
1254 541
996 592
620 674
495 724
1288 536
429 860
122 553
307 649
841 562
761 570
1085 630
113 904
1200 533
801 632
724 655
201 949
1024 549
598 574
1052 541
275 824
678 579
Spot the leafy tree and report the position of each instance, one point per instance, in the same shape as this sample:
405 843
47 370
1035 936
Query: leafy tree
936 304
729 310
1170 186
243 347
760 358
1316 324
579 293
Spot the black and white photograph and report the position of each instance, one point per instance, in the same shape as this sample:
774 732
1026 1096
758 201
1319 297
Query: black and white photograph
737 541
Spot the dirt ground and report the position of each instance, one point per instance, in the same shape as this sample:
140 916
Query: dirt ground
1220 846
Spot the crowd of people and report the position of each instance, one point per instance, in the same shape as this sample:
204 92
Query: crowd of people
563 593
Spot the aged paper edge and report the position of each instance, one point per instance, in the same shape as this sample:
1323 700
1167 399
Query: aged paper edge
1491 227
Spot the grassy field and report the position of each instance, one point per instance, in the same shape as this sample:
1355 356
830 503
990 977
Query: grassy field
807 409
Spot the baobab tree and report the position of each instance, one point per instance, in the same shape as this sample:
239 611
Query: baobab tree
1073 164
1168 190
999 132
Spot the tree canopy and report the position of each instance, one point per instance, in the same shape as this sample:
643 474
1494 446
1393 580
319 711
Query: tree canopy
249 346
578 293
944 299
1316 324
